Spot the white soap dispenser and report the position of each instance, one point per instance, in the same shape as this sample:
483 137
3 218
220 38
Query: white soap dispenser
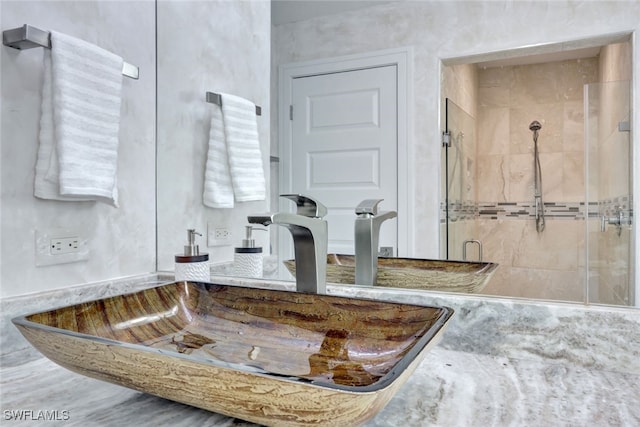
192 265
247 259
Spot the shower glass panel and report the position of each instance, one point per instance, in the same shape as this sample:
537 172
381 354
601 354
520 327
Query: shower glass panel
609 193
458 183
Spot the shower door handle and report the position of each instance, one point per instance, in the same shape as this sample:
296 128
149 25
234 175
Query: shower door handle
464 249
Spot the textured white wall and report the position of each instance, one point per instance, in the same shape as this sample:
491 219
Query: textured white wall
439 30
216 46
122 240
203 46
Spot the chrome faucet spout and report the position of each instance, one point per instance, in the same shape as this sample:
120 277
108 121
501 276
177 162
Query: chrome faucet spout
265 219
383 216
310 240
367 234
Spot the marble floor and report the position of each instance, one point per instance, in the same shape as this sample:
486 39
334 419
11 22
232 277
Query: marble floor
449 388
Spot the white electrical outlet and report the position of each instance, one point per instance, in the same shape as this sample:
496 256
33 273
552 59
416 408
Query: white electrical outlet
65 245
218 234
60 246
222 234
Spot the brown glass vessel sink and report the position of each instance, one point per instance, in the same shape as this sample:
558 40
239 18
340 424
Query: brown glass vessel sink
266 356
413 273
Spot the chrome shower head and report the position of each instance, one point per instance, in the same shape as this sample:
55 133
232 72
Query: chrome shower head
535 126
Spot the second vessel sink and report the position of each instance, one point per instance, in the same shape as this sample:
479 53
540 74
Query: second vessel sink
413 273
271 357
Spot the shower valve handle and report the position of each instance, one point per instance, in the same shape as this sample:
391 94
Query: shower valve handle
618 220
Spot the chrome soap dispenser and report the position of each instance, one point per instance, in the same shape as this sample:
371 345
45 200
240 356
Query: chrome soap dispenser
192 265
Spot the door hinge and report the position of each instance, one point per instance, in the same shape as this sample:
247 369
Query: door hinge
446 139
290 112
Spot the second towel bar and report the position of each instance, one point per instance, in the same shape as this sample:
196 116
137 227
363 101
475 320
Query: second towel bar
215 98
27 37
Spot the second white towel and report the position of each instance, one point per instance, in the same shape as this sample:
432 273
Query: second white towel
218 190
77 156
240 149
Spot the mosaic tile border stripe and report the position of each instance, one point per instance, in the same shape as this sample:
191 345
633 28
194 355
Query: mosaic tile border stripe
460 211
526 210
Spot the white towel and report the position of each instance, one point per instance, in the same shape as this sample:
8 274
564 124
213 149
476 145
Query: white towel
218 190
81 99
240 149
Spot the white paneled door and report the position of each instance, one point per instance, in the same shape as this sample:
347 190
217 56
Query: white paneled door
344 147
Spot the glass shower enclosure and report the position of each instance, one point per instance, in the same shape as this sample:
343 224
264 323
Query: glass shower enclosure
609 194
458 207
593 235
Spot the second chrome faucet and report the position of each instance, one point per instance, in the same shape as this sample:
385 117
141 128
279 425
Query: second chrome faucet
367 235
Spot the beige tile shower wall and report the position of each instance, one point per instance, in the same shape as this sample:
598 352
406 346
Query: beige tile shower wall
532 264
510 98
615 62
460 84
613 145
611 268
121 240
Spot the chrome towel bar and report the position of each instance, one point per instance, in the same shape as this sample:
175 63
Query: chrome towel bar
27 37
215 98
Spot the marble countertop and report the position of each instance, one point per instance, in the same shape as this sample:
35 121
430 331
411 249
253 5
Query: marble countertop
449 388
501 362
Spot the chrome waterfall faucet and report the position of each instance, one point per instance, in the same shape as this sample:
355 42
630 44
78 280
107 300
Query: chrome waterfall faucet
310 240
367 233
